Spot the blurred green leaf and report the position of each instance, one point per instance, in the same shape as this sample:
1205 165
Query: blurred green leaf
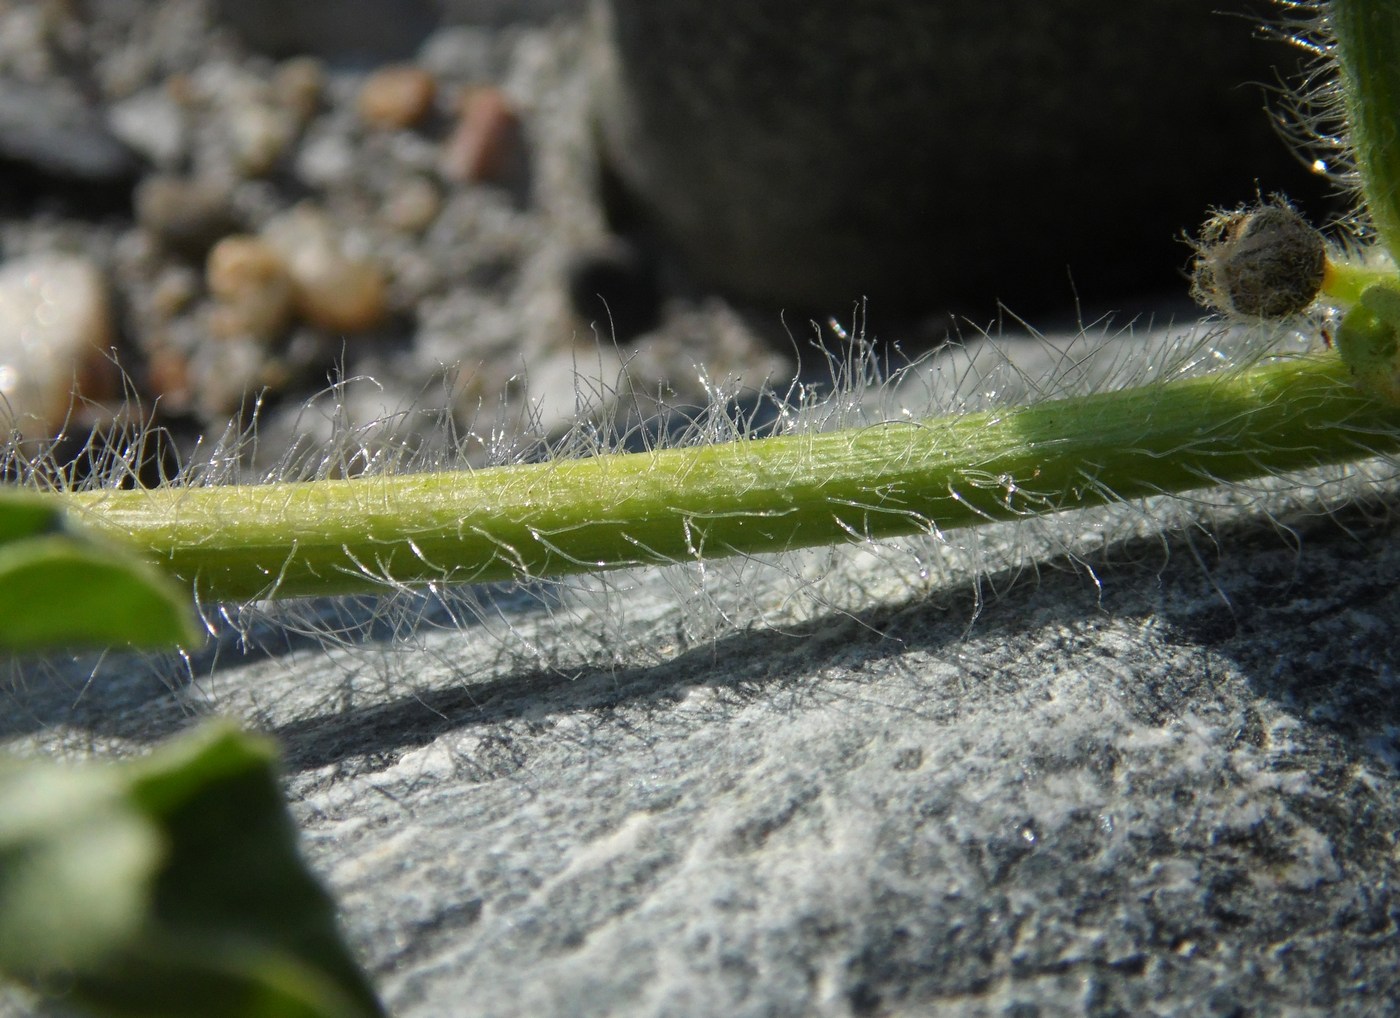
228 922
59 588
76 862
26 515
235 885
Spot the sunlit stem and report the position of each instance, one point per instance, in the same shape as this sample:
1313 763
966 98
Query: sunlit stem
1345 280
746 497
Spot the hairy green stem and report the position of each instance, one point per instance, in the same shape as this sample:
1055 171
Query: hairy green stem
745 497
1345 282
1367 33
771 495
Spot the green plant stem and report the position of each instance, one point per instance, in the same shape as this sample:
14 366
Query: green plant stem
1367 33
761 495
1345 281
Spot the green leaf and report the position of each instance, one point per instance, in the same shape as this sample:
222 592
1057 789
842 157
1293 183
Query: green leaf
26 515
208 911
76 862
236 886
59 588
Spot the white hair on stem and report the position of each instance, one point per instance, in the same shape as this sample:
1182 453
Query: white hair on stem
965 389
687 603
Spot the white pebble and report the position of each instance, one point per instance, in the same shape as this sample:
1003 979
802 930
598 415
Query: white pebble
153 124
55 330
260 134
325 160
411 205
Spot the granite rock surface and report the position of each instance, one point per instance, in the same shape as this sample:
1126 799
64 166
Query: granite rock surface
1159 781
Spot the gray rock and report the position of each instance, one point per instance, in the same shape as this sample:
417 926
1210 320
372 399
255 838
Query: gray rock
51 130
152 123
934 154
189 216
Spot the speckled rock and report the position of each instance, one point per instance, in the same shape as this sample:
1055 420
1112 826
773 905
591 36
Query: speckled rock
1149 790
1160 788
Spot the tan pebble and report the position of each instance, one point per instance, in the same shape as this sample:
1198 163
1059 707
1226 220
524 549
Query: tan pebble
332 290
240 263
485 143
298 85
252 289
397 96
260 135
340 294
412 205
168 379
55 332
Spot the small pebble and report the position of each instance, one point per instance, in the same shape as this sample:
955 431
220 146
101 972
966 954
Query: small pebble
325 159
187 216
168 379
298 86
25 30
252 289
396 97
172 292
152 123
260 135
55 331
332 290
221 375
460 53
412 205
485 143
182 90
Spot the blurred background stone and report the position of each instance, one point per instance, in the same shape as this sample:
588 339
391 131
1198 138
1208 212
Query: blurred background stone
934 154
55 334
367 32
52 139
